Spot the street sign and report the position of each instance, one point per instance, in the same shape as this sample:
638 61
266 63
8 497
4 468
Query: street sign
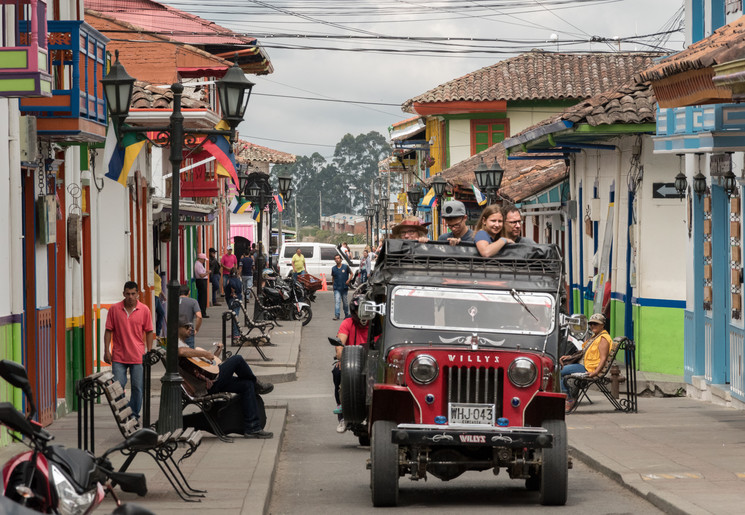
665 190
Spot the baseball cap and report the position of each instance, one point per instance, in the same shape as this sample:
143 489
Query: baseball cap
597 318
230 247
453 209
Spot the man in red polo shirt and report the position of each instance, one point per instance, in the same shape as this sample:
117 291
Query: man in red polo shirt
129 325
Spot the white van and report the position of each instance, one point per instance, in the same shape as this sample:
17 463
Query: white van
319 258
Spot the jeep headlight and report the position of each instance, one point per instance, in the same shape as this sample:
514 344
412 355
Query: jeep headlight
424 369
522 372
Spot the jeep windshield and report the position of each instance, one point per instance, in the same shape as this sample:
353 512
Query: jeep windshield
422 307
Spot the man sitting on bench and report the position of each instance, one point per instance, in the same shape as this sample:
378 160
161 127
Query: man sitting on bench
235 376
595 353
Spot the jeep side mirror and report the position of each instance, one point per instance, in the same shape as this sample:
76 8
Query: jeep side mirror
368 309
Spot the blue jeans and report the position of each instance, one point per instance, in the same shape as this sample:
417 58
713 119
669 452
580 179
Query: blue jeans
189 340
135 371
236 377
235 306
363 276
341 298
248 283
574 368
215 280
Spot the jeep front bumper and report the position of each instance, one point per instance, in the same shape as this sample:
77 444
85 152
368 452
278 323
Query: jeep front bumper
437 435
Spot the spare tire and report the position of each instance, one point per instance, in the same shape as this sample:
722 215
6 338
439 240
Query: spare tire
353 384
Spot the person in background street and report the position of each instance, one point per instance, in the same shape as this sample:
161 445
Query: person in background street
513 225
246 269
298 263
160 312
410 228
228 264
233 296
365 264
189 309
129 335
352 331
342 276
455 217
214 276
201 276
235 376
594 355
345 249
489 239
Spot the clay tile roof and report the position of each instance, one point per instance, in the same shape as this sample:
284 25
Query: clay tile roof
148 96
540 75
247 152
521 178
725 44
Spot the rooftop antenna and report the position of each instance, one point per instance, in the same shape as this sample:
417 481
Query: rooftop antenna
555 37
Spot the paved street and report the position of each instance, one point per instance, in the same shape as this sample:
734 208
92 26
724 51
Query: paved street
321 471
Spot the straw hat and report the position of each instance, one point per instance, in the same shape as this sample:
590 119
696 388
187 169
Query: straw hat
408 223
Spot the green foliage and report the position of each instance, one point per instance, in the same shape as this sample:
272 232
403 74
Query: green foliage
339 185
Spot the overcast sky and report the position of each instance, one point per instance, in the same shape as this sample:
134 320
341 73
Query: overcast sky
392 71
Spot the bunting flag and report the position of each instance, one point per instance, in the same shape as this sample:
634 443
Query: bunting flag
223 152
120 157
280 201
429 198
233 205
257 216
480 198
243 207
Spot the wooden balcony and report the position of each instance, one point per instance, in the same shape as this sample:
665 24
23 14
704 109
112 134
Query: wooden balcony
24 60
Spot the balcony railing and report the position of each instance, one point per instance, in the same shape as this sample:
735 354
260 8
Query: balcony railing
77 110
24 60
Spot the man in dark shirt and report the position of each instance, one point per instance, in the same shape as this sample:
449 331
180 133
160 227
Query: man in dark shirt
246 266
233 296
455 216
214 276
341 275
513 225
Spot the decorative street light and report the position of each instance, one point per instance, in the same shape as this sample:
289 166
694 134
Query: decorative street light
234 90
438 183
680 180
384 203
369 213
377 223
699 184
489 179
730 183
415 196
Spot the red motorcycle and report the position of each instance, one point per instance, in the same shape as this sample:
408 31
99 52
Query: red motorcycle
56 479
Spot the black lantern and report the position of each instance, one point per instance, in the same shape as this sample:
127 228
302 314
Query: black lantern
496 173
439 184
482 175
681 183
384 204
285 183
118 86
253 191
730 183
234 89
699 184
288 194
415 196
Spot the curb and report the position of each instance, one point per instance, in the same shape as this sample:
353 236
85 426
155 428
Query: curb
262 481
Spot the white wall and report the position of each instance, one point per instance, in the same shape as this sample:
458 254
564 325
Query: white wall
459 140
6 157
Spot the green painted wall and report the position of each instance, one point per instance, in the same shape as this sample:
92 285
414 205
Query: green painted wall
75 339
10 345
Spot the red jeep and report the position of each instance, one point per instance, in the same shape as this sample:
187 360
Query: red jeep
460 370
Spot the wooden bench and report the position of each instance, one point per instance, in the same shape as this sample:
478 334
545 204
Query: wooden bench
103 383
603 380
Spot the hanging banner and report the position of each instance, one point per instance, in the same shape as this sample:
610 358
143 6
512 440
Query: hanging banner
604 270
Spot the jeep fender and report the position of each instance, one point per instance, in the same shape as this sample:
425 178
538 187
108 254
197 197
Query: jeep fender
544 406
395 403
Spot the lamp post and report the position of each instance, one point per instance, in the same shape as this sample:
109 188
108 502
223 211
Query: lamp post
284 181
384 203
234 91
368 221
489 179
438 183
377 224
415 196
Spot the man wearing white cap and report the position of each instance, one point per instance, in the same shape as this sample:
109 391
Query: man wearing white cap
455 217
201 276
228 262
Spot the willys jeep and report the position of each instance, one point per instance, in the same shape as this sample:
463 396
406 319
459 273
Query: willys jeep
460 371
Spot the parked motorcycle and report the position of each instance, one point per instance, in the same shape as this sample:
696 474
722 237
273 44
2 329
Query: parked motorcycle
55 479
284 300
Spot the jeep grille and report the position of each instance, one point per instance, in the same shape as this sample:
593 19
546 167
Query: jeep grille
478 385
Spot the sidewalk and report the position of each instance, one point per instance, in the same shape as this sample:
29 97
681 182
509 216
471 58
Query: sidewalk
682 455
238 476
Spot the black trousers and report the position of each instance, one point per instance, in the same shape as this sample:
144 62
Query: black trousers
202 294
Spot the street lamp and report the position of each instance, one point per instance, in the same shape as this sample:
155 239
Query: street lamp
438 183
234 90
369 213
415 196
384 203
489 179
377 223
284 180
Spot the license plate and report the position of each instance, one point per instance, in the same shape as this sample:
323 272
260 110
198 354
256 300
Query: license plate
470 414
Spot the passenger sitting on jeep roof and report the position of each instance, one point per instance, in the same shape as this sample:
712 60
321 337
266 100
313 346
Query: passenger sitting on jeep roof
410 228
489 239
455 217
513 225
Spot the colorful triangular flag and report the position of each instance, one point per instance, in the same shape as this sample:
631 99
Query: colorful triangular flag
120 157
257 216
280 201
223 152
429 198
480 198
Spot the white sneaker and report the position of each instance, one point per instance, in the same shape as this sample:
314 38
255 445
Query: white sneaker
342 427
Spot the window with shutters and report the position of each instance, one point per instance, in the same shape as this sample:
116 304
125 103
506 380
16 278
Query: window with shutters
485 133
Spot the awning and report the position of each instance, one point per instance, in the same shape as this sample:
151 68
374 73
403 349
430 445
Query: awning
187 209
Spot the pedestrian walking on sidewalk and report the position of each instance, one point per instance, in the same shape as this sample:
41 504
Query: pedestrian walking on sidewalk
160 298
342 276
201 276
129 335
246 269
594 354
214 265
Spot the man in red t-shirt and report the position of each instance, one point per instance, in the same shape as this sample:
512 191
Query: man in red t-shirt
129 335
352 331
228 262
